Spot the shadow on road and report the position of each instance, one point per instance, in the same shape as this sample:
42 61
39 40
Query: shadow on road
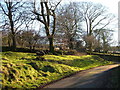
99 80
99 77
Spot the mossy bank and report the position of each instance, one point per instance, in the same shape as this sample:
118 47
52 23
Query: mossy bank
26 71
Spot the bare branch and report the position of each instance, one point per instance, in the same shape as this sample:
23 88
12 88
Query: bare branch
57 4
3 10
99 22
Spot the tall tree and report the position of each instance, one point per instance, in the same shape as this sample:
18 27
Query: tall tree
95 17
47 16
29 38
68 23
14 17
106 38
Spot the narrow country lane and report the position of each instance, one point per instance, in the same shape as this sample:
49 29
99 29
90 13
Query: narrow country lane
92 78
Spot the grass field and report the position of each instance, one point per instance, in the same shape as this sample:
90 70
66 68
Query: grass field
26 71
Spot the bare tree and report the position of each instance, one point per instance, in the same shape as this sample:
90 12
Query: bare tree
106 39
95 17
29 38
13 14
68 23
47 16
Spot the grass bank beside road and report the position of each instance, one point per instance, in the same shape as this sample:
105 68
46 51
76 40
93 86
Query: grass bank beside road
25 71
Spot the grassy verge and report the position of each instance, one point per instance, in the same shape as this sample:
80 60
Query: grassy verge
25 71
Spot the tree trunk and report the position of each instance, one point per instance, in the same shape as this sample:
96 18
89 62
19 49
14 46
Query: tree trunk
90 48
14 42
33 48
12 27
51 46
9 45
90 34
71 45
30 46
